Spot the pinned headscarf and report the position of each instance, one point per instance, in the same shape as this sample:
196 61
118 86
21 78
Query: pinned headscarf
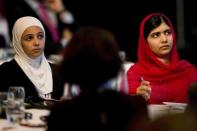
37 70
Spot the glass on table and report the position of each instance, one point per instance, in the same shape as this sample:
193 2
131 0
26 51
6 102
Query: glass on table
15 104
18 91
3 103
70 91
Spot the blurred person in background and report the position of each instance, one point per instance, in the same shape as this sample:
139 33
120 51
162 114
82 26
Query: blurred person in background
90 61
191 108
173 122
4 30
58 22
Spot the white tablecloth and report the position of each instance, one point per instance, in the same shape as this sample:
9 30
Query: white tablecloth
6 126
157 110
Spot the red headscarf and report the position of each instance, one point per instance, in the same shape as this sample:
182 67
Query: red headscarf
168 82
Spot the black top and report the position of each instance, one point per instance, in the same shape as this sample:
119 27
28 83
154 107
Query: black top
12 75
105 110
2 42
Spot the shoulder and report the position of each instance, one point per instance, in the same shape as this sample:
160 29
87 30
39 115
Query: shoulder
128 65
186 66
10 69
8 64
135 69
54 67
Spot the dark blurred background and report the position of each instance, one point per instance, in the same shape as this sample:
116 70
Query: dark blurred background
123 17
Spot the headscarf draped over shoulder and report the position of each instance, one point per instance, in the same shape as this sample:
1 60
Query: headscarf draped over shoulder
37 70
178 74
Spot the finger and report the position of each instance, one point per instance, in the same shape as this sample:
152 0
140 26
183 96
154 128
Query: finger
144 94
149 89
144 90
147 83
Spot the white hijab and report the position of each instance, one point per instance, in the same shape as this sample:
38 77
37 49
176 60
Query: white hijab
37 70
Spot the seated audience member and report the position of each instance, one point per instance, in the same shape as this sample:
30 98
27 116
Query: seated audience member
159 74
90 61
29 67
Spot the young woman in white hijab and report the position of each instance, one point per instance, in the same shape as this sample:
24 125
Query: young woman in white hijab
29 68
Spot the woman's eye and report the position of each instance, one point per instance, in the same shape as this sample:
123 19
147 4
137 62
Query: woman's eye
168 32
28 38
155 35
40 36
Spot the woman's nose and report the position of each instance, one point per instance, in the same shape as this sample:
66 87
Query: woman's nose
36 42
163 38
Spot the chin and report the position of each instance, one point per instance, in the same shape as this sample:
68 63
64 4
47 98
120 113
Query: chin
35 56
165 52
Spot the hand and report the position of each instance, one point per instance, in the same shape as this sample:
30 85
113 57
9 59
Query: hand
55 5
144 89
67 34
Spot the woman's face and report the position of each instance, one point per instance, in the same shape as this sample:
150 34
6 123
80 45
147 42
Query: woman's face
33 41
160 40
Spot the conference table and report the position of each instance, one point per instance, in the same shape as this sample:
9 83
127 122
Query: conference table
158 110
33 124
36 124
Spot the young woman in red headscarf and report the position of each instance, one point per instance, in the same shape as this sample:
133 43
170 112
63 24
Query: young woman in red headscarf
160 75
